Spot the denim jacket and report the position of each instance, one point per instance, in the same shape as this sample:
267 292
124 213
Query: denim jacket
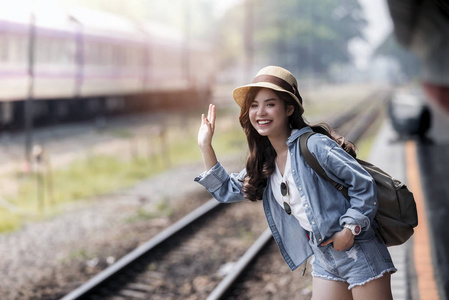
326 208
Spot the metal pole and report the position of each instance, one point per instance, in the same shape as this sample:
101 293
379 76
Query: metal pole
28 111
282 53
187 29
248 39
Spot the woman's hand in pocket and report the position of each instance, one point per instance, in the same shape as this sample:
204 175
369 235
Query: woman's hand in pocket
341 240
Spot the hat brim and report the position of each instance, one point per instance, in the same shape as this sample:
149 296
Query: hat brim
239 94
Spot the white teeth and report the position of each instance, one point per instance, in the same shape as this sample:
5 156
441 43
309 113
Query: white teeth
263 122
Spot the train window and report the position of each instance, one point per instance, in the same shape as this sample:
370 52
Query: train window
41 51
49 57
111 55
120 56
10 48
65 51
22 49
102 51
128 56
92 57
14 49
58 51
88 51
37 51
95 54
98 54
71 51
92 53
53 51
104 54
3 47
46 50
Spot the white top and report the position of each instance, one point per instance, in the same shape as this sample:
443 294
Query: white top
293 199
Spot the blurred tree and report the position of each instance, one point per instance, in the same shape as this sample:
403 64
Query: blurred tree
408 62
307 36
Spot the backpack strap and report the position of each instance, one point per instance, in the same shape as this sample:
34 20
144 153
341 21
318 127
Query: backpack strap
315 165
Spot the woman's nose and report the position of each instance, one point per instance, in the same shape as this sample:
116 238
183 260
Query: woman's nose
261 111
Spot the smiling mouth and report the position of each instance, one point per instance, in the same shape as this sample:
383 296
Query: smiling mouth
263 122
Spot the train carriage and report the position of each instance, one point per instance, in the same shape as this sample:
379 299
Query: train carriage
113 52
14 42
88 63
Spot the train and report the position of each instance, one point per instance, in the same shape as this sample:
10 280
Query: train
79 63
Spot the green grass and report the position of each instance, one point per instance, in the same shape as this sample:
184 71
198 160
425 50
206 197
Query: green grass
162 209
8 221
41 196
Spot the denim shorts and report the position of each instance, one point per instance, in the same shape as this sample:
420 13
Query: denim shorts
363 262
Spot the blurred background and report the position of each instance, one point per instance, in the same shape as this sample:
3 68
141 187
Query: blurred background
100 103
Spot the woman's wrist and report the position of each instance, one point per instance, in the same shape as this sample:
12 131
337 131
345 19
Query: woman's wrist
206 147
209 157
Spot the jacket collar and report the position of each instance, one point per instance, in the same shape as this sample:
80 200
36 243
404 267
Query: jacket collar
297 134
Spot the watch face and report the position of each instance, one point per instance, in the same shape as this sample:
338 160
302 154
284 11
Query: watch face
357 229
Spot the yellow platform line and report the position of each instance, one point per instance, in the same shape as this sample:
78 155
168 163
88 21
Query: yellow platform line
421 244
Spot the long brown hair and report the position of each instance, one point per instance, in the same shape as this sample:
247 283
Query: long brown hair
260 162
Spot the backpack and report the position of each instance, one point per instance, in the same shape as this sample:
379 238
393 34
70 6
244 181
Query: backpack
396 215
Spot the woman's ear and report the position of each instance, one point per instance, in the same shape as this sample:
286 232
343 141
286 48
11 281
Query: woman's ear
290 110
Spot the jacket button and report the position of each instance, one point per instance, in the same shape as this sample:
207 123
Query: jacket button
293 171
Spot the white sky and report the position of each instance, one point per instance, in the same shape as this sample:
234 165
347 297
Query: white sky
222 5
379 26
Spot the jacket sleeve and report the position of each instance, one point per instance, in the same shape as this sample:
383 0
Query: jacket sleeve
224 187
362 190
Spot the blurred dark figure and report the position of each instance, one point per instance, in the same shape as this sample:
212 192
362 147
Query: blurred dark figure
409 115
422 26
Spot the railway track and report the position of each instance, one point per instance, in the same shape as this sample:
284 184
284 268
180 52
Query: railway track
183 250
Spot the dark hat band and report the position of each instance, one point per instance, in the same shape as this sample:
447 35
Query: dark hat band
279 82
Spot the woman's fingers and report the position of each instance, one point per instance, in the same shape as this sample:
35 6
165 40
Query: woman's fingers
328 241
210 120
209 111
212 116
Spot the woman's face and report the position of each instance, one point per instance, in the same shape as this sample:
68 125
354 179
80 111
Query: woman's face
268 114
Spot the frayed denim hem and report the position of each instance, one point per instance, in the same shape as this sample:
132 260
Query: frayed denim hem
327 277
391 270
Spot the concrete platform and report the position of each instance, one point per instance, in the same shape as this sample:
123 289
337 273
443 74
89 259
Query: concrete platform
388 154
434 167
422 262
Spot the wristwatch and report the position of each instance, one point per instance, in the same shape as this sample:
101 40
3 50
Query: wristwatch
355 229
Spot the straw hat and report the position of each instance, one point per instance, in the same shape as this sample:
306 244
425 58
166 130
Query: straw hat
272 77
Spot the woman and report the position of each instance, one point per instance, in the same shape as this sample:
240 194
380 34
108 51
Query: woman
306 214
